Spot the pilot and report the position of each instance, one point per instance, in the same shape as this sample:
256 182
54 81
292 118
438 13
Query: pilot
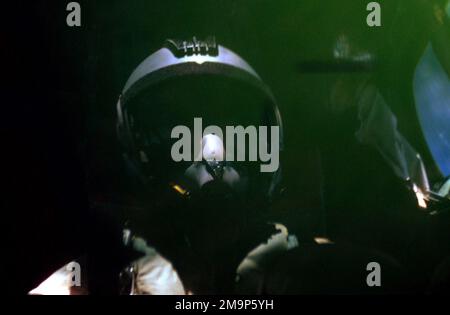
198 217
205 214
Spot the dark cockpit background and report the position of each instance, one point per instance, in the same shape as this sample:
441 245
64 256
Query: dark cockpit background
61 158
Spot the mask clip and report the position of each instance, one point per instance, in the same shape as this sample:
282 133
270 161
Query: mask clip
183 48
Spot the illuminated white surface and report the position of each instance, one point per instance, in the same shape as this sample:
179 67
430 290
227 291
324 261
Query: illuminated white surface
212 148
56 284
